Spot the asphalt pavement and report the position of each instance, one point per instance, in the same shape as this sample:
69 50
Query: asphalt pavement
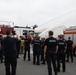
27 68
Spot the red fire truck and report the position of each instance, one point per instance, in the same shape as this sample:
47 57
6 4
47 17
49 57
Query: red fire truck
71 32
4 28
21 31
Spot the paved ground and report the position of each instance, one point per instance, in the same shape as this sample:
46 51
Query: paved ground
27 68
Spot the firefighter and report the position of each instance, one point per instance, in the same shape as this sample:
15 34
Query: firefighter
1 49
50 51
27 47
69 49
36 44
61 53
22 45
17 44
10 52
42 50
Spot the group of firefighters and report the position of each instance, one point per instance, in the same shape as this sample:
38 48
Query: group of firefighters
50 50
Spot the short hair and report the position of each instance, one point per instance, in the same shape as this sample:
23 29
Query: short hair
37 37
26 36
51 33
69 37
8 32
60 36
0 35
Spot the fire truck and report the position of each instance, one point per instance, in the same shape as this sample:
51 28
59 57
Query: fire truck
71 32
4 28
21 31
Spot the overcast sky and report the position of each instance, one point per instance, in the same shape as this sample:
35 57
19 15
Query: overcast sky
31 12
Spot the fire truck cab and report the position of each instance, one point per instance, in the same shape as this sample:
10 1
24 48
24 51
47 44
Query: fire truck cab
4 28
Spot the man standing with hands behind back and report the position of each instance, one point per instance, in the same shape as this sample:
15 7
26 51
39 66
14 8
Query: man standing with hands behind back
10 50
50 51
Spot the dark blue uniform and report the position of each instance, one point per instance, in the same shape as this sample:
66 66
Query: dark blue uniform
61 55
51 44
69 50
42 50
10 52
27 48
36 51
1 51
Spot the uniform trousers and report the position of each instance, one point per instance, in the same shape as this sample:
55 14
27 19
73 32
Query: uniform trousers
1 56
27 50
36 57
69 53
61 59
10 64
51 59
